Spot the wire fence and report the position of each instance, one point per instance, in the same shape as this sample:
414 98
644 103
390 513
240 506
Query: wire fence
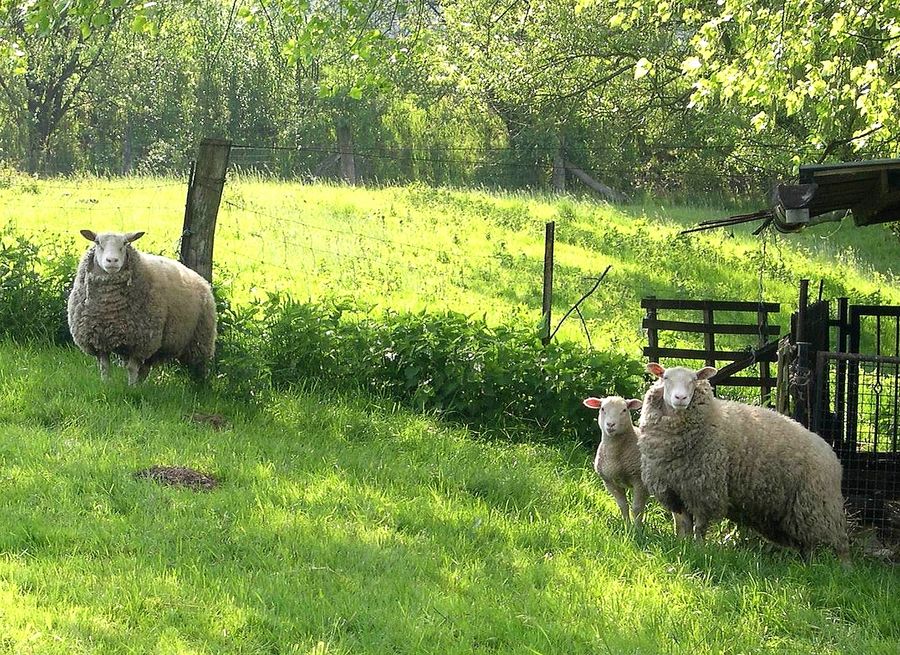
541 162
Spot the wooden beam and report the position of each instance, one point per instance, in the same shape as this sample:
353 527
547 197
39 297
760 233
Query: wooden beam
719 305
703 355
720 328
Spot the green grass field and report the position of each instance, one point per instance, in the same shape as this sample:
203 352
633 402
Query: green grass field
343 526
475 252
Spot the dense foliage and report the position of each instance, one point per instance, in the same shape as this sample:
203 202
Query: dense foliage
666 96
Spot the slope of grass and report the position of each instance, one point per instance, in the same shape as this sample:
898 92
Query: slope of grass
475 252
342 525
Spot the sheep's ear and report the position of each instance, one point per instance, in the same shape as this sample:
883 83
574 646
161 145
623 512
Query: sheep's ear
593 403
90 236
655 369
634 403
133 236
706 372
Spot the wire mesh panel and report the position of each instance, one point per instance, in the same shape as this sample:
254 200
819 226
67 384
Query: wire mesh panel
857 413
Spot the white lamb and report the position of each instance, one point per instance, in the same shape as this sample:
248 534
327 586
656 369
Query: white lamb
618 461
144 308
725 459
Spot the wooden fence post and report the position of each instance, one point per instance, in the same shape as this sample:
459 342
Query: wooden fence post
547 301
202 207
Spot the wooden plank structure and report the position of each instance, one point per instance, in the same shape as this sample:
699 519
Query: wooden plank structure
763 352
869 189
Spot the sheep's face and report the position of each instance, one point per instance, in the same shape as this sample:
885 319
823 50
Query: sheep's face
615 413
111 248
679 383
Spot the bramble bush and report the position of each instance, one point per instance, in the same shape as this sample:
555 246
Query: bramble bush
501 378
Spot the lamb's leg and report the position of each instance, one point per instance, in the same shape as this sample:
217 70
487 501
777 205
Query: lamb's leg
103 360
638 502
619 494
143 372
134 370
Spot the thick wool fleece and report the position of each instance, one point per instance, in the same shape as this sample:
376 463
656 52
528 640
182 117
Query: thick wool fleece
725 459
152 310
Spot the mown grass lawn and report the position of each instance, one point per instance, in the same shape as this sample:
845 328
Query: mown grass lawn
480 253
345 526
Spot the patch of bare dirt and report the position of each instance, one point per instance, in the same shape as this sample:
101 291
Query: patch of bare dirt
178 476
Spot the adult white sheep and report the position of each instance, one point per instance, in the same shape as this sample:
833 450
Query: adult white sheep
725 459
618 461
144 308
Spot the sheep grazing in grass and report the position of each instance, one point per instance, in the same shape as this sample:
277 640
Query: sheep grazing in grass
725 459
144 308
618 461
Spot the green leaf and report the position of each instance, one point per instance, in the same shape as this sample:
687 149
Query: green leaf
642 68
355 92
691 64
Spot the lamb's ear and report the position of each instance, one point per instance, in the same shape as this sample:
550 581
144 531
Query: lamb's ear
593 403
655 369
706 373
634 403
133 236
87 234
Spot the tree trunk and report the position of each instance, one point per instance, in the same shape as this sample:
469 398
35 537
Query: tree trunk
607 191
127 148
345 148
559 170
38 139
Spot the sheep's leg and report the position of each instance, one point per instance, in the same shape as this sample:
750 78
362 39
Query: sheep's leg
618 493
700 526
684 524
143 372
134 371
638 502
103 360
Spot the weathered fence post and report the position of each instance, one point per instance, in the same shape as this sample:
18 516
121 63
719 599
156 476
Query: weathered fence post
547 301
202 207
765 372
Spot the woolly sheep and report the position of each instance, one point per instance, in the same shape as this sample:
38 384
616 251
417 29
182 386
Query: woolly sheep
618 461
144 308
725 459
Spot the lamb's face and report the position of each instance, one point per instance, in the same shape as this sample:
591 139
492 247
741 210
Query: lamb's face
679 383
111 248
615 413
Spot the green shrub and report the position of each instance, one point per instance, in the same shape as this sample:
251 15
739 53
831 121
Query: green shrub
447 363
35 278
